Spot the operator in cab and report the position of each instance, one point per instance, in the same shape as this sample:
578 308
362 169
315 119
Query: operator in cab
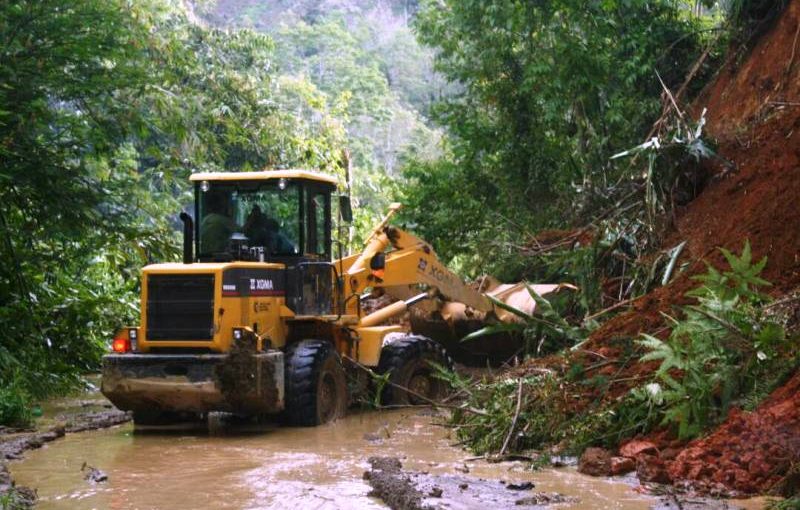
261 230
216 226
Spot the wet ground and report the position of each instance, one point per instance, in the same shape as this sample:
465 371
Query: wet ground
306 468
248 467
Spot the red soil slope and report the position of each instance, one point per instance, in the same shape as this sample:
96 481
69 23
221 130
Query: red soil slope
754 114
751 452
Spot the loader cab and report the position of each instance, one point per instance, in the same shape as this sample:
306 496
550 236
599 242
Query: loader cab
278 217
272 216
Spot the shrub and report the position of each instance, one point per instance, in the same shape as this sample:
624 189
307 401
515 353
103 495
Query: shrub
716 352
15 408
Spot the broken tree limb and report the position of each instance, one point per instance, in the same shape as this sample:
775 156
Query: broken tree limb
681 90
433 403
669 95
794 49
514 420
610 308
676 253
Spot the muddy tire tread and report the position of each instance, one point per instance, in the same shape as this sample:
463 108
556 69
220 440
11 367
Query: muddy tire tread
304 359
402 351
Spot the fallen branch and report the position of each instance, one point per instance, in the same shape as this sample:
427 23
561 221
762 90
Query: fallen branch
610 308
626 379
433 403
593 353
493 459
602 364
782 301
669 95
678 95
672 261
794 49
514 420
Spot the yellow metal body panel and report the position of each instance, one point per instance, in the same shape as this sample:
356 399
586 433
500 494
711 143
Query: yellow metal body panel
370 343
264 175
411 262
266 313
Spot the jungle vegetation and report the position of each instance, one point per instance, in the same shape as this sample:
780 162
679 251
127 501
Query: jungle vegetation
490 119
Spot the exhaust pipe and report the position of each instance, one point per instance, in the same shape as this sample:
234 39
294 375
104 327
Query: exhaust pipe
188 238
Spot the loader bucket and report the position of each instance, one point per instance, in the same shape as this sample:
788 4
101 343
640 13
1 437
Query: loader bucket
453 321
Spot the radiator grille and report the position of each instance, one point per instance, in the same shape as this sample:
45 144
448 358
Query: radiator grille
180 307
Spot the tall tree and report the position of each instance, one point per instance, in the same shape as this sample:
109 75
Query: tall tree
105 108
549 91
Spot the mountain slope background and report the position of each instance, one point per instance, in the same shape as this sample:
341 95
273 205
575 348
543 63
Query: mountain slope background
359 60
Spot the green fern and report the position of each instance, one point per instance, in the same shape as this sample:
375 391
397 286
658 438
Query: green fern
715 352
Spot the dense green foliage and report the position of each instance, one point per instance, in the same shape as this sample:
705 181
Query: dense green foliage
359 61
549 93
560 120
14 406
721 348
723 351
105 108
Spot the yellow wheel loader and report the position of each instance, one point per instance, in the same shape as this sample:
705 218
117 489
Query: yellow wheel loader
258 318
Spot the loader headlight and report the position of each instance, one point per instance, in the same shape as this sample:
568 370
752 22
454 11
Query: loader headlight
133 336
237 333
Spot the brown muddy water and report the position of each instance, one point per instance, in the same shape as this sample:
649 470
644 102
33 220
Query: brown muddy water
301 468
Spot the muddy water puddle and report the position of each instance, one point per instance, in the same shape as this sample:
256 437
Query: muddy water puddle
300 468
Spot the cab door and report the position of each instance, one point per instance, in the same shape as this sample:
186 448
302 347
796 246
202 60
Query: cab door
311 280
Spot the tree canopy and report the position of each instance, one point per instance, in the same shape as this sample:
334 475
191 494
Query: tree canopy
549 91
105 109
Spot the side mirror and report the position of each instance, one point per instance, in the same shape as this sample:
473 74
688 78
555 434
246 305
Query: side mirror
345 208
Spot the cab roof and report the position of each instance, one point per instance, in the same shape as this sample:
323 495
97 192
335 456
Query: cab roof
263 175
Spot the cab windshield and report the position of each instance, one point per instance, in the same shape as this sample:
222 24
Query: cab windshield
248 221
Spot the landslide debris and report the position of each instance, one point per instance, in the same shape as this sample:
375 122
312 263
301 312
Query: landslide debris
754 115
751 453
401 489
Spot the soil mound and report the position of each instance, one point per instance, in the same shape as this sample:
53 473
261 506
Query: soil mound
751 452
753 111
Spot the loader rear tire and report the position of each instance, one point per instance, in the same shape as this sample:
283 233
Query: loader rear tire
408 361
315 384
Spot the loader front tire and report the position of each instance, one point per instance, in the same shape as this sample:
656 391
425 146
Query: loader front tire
408 361
315 384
